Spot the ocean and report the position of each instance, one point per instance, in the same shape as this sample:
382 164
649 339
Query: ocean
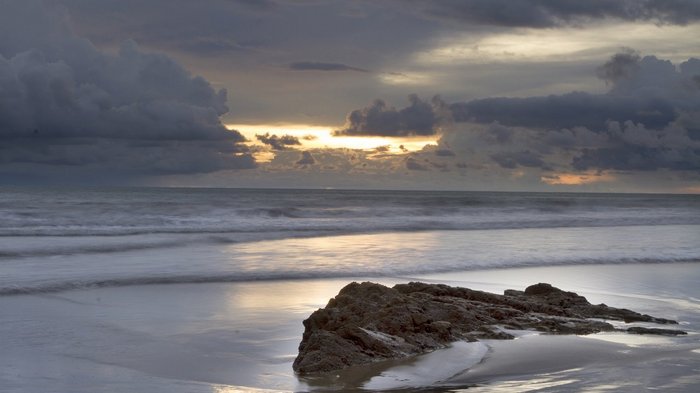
57 239
77 245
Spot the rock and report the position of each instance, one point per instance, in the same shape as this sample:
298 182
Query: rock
663 332
368 322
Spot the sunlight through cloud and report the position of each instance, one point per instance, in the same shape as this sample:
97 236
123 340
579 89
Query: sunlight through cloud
321 137
564 44
573 179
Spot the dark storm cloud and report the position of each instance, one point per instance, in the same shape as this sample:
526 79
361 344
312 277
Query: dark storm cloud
622 65
279 142
65 103
304 29
644 90
634 147
306 159
566 110
246 45
690 68
318 66
649 120
624 146
379 119
526 158
247 48
552 13
184 20
105 158
638 158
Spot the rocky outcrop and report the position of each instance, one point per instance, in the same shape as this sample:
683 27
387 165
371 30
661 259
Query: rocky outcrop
368 322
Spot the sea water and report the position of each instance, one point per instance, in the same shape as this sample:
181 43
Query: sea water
58 239
84 305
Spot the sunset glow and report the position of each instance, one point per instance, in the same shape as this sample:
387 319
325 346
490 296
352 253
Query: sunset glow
352 94
690 190
537 45
321 137
570 179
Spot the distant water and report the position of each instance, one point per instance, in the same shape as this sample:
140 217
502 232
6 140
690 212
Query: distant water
56 239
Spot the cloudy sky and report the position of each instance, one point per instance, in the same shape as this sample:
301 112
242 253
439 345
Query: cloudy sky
551 95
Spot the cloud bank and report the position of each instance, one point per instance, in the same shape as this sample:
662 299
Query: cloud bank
649 120
553 13
65 104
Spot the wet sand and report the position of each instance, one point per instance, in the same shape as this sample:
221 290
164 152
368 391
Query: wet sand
230 337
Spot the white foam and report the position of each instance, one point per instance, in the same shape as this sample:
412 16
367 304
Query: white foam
163 259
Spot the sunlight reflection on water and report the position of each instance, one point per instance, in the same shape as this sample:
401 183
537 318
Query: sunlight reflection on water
435 251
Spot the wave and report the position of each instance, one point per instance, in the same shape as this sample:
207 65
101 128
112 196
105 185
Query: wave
250 215
131 242
355 224
33 243
80 239
96 249
52 287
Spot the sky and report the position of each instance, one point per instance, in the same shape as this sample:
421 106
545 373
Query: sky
502 95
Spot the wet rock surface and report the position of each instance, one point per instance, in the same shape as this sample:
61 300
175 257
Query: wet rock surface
661 332
368 322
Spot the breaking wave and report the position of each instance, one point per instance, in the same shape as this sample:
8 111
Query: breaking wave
52 287
55 240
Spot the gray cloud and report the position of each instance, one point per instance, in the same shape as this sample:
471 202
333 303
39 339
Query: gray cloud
621 66
498 133
567 110
279 142
444 153
632 146
306 159
442 166
547 134
526 158
638 158
552 13
690 68
649 119
644 90
413 165
380 119
319 66
65 103
237 45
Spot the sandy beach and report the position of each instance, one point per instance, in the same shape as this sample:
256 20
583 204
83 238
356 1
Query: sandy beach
230 337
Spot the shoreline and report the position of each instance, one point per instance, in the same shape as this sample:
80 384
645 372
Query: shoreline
241 335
